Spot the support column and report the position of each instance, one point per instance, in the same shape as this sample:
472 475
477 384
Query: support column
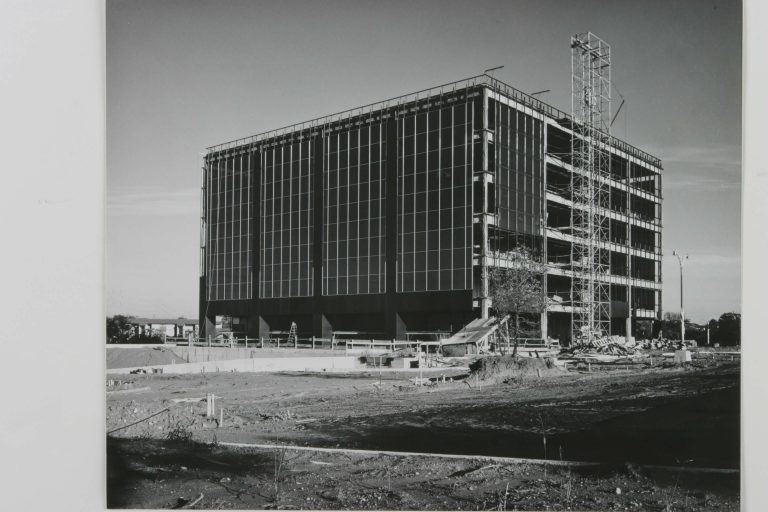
395 328
628 326
393 324
485 292
255 173
263 328
544 325
321 327
208 326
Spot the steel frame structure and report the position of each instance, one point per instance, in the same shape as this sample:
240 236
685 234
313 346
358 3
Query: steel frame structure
590 192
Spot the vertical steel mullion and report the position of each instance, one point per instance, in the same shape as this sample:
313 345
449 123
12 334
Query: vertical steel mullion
382 269
426 201
347 223
263 225
240 233
261 202
249 273
218 223
281 212
510 149
413 232
469 147
357 241
310 224
222 259
272 249
275 248
338 209
213 258
401 194
201 236
450 203
215 276
231 285
368 241
218 226
209 216
439 197
327 208
290 218
206 217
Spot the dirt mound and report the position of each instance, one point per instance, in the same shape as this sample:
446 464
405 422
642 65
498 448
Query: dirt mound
508 368
140 356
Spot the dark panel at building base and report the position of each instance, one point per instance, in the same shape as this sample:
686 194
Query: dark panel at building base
381 316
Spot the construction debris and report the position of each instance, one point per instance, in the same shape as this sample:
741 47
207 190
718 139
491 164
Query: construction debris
605 349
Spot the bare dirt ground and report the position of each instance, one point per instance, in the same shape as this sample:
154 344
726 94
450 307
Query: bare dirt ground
675 417
140 356
126 356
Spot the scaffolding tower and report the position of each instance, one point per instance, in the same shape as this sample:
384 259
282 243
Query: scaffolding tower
590 193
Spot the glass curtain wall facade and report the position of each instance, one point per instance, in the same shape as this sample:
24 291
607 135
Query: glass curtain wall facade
519 160
286 221
358 214
354 209
227 197
434 244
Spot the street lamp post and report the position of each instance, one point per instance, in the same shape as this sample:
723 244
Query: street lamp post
681 260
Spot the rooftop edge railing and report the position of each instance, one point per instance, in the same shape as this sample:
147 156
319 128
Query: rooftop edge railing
440 90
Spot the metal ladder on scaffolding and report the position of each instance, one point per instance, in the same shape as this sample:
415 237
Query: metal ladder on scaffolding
292 334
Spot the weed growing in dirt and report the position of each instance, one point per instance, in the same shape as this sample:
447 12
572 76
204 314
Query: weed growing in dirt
568 485
179 431
668 493
279 466
279 415
502 499
543 431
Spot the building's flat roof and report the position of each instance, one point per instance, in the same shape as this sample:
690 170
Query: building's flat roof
440 90
169 321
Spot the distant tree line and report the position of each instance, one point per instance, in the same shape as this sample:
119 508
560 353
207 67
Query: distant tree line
120 331
725 330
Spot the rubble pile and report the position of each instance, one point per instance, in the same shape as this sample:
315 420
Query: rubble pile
605 349
665 344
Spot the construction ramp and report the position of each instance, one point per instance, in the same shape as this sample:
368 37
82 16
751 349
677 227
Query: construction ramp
477 332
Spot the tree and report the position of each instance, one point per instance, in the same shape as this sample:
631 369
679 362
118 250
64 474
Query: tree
729 329
644 329
118 329
518 292
669 326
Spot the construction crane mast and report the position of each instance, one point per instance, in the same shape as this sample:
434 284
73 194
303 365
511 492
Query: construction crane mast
590 192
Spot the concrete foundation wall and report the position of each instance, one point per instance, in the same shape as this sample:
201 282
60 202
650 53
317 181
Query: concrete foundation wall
277 364
206 354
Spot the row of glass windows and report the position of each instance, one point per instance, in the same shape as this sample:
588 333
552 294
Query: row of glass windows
354 209
458 279
439 119
287 221
434 201
518 149
227 193
366 175
372 134
228 245
273 272
368 154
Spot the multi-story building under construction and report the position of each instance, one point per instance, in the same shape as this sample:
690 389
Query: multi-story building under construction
383 220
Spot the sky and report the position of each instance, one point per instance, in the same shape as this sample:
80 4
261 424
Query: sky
184 75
